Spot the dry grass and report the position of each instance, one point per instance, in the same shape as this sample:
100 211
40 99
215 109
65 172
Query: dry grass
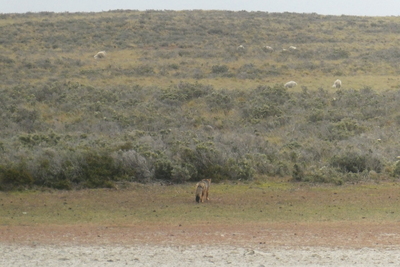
381 79
230 203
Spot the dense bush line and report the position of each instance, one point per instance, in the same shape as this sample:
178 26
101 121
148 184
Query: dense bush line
66 135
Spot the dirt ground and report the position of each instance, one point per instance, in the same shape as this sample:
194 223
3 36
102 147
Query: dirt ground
269 244
334 234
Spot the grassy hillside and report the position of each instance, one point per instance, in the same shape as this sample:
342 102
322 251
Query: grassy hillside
175 100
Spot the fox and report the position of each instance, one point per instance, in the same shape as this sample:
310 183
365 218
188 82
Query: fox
202 188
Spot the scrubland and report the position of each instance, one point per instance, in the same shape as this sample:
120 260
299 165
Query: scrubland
174 101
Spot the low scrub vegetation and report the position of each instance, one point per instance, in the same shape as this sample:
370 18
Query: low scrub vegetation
175 101
83 136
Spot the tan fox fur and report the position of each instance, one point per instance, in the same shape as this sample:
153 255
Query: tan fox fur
202 188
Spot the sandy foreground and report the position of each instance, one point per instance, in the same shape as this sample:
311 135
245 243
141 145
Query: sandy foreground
273 244
47 255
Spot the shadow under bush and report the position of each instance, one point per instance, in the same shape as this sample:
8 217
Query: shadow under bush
17 177
356 163
98 170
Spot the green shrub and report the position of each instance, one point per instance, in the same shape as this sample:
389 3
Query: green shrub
173 66
214 171
262 111
281 168
185 92
316 115
15 177
49 139
98 170
240 169
356 163
262 163
220 101
344 129
338 53
163 170
249 71
132 165
297 173
204 161
276 94
144 70
219 69
396 170
181 174
350 162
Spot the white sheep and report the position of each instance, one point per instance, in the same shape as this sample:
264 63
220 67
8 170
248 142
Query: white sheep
268 48
290 84
292 48
337 84
240 48
101 54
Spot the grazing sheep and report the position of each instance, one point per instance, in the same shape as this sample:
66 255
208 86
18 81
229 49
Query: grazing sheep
290 84
240 48
268 49
101 54
337 84
292 48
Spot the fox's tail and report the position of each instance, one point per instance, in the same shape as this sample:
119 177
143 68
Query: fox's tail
199 190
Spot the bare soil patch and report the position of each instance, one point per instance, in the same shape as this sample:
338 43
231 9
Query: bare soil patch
270 244
320 234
